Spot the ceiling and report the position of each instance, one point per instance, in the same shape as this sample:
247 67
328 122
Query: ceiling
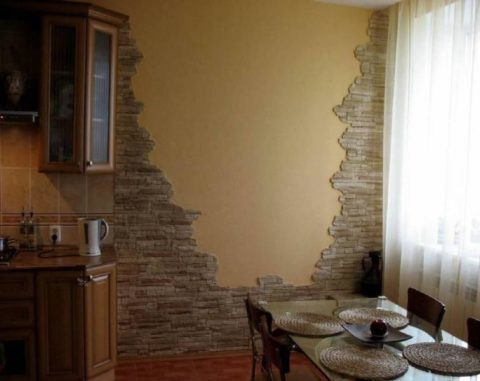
371 4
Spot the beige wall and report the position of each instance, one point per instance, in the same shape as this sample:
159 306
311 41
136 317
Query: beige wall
238 98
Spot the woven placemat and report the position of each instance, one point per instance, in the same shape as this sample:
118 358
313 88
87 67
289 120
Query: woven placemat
309 324
363 362
442 358
367 315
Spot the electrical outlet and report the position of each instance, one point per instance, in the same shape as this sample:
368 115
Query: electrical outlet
57 230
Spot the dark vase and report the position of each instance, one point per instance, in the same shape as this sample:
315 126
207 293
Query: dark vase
372 280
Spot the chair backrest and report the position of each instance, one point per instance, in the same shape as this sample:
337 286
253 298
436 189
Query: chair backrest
275 352
254 313
425 307
473 327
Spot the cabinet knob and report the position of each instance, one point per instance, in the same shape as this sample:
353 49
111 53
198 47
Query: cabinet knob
89 163
82 281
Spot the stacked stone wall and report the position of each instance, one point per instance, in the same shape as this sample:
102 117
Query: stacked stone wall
358 228
169 301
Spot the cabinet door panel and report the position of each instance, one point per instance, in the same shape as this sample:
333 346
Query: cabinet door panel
100 317
21 282
101 83
17 314
63 84
60 325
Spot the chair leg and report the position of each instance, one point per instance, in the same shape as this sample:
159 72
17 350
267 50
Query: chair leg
265 365
270 375
254 365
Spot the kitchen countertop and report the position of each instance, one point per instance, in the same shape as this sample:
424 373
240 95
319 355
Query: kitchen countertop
61 258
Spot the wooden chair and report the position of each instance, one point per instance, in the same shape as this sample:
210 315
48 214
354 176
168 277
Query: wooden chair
254 314
253 328
428 309
473 327
277 355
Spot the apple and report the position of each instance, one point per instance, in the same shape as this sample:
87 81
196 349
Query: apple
378 328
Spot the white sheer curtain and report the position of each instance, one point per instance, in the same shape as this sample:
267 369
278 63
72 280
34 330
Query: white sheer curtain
432 155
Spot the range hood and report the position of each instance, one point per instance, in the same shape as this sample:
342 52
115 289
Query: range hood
18 116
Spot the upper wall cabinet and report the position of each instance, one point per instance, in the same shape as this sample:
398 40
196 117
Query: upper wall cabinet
77 84
78 94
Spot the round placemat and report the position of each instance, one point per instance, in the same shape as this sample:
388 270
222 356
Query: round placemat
309 324
367 315
363 362
442 358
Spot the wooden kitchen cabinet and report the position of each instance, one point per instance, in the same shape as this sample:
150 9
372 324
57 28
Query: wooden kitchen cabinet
17 326
61 336
101 319
76 323
58 318
77 96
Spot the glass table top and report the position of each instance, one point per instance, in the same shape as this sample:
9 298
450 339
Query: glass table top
312 346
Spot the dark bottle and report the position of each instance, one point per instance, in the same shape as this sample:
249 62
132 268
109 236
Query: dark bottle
372 280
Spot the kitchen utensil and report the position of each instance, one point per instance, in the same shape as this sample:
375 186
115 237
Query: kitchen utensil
91 232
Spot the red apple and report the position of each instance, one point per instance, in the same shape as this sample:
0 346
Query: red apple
378 328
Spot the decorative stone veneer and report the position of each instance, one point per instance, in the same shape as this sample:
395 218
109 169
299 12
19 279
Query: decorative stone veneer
168 298
358 229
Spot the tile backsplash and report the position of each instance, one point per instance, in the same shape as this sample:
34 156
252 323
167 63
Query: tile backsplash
56 199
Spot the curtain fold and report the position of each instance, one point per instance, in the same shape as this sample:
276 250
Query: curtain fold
432 155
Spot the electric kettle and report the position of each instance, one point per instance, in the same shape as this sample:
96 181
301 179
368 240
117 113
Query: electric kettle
91 232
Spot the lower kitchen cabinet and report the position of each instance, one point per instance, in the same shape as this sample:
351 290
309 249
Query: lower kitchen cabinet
101 320
17 326
76 323
61 336
64 329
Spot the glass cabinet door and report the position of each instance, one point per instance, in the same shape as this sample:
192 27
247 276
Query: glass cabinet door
63 93
101 99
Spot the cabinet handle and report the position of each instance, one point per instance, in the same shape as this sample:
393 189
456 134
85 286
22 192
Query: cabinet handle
82 281
89 163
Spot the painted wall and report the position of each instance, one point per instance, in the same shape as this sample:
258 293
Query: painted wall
238 98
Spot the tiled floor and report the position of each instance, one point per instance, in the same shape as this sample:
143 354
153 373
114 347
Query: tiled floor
231 367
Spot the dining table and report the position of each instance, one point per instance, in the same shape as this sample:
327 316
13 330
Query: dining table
312 346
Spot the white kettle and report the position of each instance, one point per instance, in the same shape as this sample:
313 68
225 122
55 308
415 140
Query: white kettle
91 232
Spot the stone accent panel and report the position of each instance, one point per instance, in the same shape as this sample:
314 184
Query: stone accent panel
169 301
358 228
